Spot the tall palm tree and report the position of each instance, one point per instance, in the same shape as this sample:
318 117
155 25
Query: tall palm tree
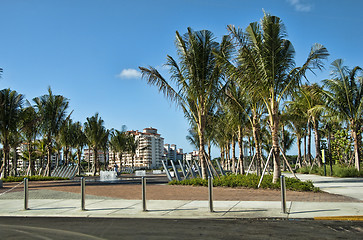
66 139
41 152
345 99
15 139
196 77
297 125
52 109
80 141
270 58
132 145
118 143
95 133
29 126
11 104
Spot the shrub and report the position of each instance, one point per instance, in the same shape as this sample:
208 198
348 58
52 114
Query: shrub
249 181
31 178
338 171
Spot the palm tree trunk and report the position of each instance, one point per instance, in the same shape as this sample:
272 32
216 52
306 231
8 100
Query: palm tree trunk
305 156
79 153
222 157
89 157
309 144
95 161
274 121
298 151
209 151
4 168
258 149
203 161
228 158
15 162
47 172
31 166
240 146
283 146
356 139
317 142
233 154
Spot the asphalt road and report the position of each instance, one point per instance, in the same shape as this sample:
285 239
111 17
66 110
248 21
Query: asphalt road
110 228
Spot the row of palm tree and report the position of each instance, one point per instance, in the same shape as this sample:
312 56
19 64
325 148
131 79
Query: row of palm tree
250 80
46 128
245 87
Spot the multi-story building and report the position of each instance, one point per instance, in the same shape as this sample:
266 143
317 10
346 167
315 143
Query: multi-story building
191 156
149 151
172 153
23 162
88 156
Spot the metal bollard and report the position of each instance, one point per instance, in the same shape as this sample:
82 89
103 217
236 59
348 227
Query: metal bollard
210 193
26 194
83 193
283 194
143 183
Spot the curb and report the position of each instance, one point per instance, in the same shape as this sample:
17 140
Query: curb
340 218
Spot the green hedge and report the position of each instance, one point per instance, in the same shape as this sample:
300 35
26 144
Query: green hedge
338 171
31 178
250 181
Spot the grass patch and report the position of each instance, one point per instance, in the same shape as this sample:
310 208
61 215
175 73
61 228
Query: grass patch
31 178
338 171
250 181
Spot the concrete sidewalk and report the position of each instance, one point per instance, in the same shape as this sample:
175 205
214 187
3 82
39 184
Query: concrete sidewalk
69 205
177 209
350 187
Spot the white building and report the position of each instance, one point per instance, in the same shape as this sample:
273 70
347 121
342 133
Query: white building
172 153
191 156
89 156
149 152
23 163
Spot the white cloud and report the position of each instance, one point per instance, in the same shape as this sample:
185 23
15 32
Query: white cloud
129 73
300 6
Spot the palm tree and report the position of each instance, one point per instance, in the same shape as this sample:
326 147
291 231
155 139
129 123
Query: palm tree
118 143
132 145
80 141
11 103
15 139
66 139
29 126
41 152
308 102
52 109
345 99
95 133
270 58
297 125
197 79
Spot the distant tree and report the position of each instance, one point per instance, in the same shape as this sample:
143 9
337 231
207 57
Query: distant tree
344 97
11 103
132 145
80 141
15 139
52 109
67 138
118 142
29 125
95 133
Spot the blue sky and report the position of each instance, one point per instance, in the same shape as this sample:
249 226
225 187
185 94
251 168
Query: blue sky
89 50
